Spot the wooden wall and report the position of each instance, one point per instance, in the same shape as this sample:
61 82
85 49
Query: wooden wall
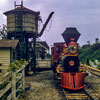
28 21
4 59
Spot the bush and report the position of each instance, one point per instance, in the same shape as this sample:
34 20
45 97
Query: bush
91 52
98 66
16 64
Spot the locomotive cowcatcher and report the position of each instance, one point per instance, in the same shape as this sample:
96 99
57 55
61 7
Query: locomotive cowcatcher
65 61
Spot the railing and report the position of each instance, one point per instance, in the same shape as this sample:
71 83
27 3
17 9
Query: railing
43 63
92 70
12 84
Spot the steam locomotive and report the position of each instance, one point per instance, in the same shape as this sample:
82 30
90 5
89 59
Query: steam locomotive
65 62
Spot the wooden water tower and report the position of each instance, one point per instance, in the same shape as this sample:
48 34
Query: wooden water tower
22 24
22 19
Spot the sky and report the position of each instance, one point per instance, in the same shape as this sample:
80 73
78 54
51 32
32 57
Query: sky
82 14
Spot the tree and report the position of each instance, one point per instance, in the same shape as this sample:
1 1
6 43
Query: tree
88 42
3 32
97 40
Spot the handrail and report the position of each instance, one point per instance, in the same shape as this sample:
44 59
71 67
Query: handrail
5 77
92 70
20 69
84 65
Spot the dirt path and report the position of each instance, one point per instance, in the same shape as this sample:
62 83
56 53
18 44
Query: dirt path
43 87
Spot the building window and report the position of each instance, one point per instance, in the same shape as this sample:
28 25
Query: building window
58 49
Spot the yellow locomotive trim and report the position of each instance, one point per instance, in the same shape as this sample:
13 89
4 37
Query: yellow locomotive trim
72 55
59 70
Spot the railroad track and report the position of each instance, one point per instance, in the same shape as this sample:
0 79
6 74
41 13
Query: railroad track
77 95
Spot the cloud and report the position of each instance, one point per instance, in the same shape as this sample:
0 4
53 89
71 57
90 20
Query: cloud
3 18
82 14
75 13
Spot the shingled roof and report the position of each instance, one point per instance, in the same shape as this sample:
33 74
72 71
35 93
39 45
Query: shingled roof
44 44
22 9
8 43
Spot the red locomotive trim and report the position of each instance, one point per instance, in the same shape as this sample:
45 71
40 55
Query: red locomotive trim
71 63
72 88
73 82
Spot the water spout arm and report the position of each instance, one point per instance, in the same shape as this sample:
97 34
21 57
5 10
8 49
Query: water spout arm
44 26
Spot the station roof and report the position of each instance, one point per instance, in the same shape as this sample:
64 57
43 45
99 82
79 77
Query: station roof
23 10
59 43
43 44
8 43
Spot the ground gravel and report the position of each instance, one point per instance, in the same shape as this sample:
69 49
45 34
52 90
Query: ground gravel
92 83
43 86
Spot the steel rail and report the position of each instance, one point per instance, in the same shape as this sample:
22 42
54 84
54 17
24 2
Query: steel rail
88 94
77 95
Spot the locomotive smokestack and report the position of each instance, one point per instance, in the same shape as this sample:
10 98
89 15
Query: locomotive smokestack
69 33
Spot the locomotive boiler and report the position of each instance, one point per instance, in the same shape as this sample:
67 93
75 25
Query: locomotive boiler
71 61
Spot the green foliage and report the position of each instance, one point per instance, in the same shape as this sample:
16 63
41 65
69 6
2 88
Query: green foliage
85 46
48 55
4 97
16 64
3 85
3 32
98 66
95 64
91 52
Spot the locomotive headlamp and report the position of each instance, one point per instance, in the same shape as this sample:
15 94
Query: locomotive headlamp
72 48
71 63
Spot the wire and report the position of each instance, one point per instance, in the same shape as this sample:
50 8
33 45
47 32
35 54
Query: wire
47 30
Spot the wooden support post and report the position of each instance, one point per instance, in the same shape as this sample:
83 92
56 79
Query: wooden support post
34 55
47 63
23 80
14 86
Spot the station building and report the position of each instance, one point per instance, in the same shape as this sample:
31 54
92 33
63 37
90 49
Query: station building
7 53
41 49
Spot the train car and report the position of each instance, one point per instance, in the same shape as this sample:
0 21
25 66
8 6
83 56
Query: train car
56 51
71 77
52 56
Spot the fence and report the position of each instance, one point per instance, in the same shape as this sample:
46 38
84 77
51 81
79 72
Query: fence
12 84
92 70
